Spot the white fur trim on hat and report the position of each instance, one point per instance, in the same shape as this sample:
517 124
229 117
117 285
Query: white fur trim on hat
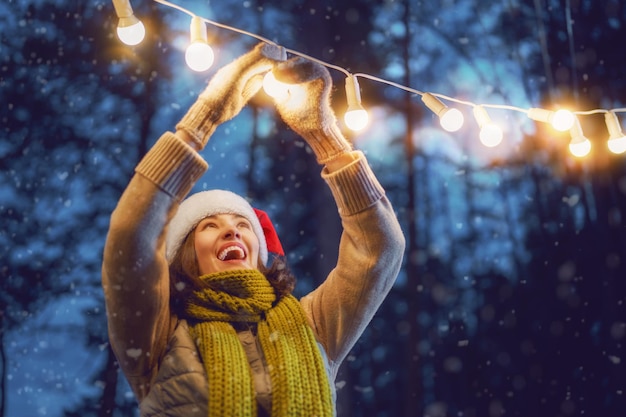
207 203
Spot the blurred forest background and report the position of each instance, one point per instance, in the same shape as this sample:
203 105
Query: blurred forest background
511 301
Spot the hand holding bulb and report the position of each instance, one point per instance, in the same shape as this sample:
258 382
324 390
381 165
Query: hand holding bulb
229 91
306 109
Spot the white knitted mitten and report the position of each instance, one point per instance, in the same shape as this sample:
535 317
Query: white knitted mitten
307 108
229 91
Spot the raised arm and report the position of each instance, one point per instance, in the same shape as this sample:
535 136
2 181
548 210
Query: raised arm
372 243
370 256
135 274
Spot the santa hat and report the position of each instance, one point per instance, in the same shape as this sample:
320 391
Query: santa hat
207 203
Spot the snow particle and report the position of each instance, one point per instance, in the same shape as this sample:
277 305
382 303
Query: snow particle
133 353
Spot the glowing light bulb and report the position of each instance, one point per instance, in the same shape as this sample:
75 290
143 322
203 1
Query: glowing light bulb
490 133
356 117
133 34
579 145
617 140
130 30
617 145
560 120
580 149
275 88
450 119
199 55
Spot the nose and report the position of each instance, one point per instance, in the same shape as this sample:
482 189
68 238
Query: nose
231 232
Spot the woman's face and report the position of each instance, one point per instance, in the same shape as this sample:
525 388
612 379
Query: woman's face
225 242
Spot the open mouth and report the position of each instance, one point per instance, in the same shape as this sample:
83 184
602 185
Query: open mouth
232 253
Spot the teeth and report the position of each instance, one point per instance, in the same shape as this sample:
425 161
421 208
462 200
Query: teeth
231 252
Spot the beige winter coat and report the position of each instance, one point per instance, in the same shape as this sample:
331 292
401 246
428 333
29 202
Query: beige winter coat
149 341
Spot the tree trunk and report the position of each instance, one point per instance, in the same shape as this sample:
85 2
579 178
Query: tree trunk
414 374
110 375
3 375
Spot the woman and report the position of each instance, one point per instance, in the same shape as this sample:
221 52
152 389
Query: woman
199 320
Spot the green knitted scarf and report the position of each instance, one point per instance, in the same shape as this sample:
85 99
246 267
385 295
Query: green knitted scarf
300 386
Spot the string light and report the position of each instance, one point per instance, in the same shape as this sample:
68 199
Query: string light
562 120
356 117
199 55
579 145
131 31
490 133
617 140
451 119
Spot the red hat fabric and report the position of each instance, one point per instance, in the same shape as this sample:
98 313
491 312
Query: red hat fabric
271 237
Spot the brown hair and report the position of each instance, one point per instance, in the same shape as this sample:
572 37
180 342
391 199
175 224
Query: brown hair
185 274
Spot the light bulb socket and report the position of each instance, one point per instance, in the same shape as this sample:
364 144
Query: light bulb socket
127 21
481 116
353 93
612 125
123 10
434 104
576 133
540 115
197 30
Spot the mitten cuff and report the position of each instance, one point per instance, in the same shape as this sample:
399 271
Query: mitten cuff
354 187
199 122
327 144
172 165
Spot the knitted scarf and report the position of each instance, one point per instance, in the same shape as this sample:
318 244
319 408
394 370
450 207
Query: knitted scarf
300 385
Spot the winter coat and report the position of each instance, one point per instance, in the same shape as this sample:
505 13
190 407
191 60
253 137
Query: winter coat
153 346
181 383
